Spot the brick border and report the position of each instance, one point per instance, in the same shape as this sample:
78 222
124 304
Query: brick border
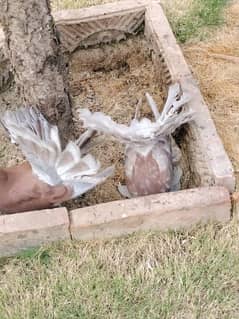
209 162
175 210
168 211
31 229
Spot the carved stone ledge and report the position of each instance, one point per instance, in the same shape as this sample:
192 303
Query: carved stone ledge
100 24
105 29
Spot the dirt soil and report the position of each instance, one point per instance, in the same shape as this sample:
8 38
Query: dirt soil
112 79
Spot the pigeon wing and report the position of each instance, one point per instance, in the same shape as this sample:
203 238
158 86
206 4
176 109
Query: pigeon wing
40 143
85 183
38 140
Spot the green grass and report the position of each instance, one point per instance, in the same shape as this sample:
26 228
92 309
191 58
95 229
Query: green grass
151 275
198 19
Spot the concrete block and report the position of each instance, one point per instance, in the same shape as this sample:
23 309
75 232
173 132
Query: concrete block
162 211
31 229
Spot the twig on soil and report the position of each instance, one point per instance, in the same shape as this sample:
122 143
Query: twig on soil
230 58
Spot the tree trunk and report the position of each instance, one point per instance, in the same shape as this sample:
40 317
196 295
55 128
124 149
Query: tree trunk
34 53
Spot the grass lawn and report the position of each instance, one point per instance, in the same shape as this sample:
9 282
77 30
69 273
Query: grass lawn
150 275
173 275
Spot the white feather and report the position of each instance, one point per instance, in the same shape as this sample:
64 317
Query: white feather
141 135
40 144
175 113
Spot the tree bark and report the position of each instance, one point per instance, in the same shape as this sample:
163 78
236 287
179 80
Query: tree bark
38 65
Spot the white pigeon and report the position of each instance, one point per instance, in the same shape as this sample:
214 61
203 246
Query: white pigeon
40 143
150 162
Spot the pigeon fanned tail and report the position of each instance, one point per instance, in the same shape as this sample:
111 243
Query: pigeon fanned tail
100 122
40 144
174 114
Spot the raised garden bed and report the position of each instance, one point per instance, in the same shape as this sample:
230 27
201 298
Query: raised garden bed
118 52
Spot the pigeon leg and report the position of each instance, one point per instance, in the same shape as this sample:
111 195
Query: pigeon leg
177 171
84 138
123 190
137 110
176 152
175 183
